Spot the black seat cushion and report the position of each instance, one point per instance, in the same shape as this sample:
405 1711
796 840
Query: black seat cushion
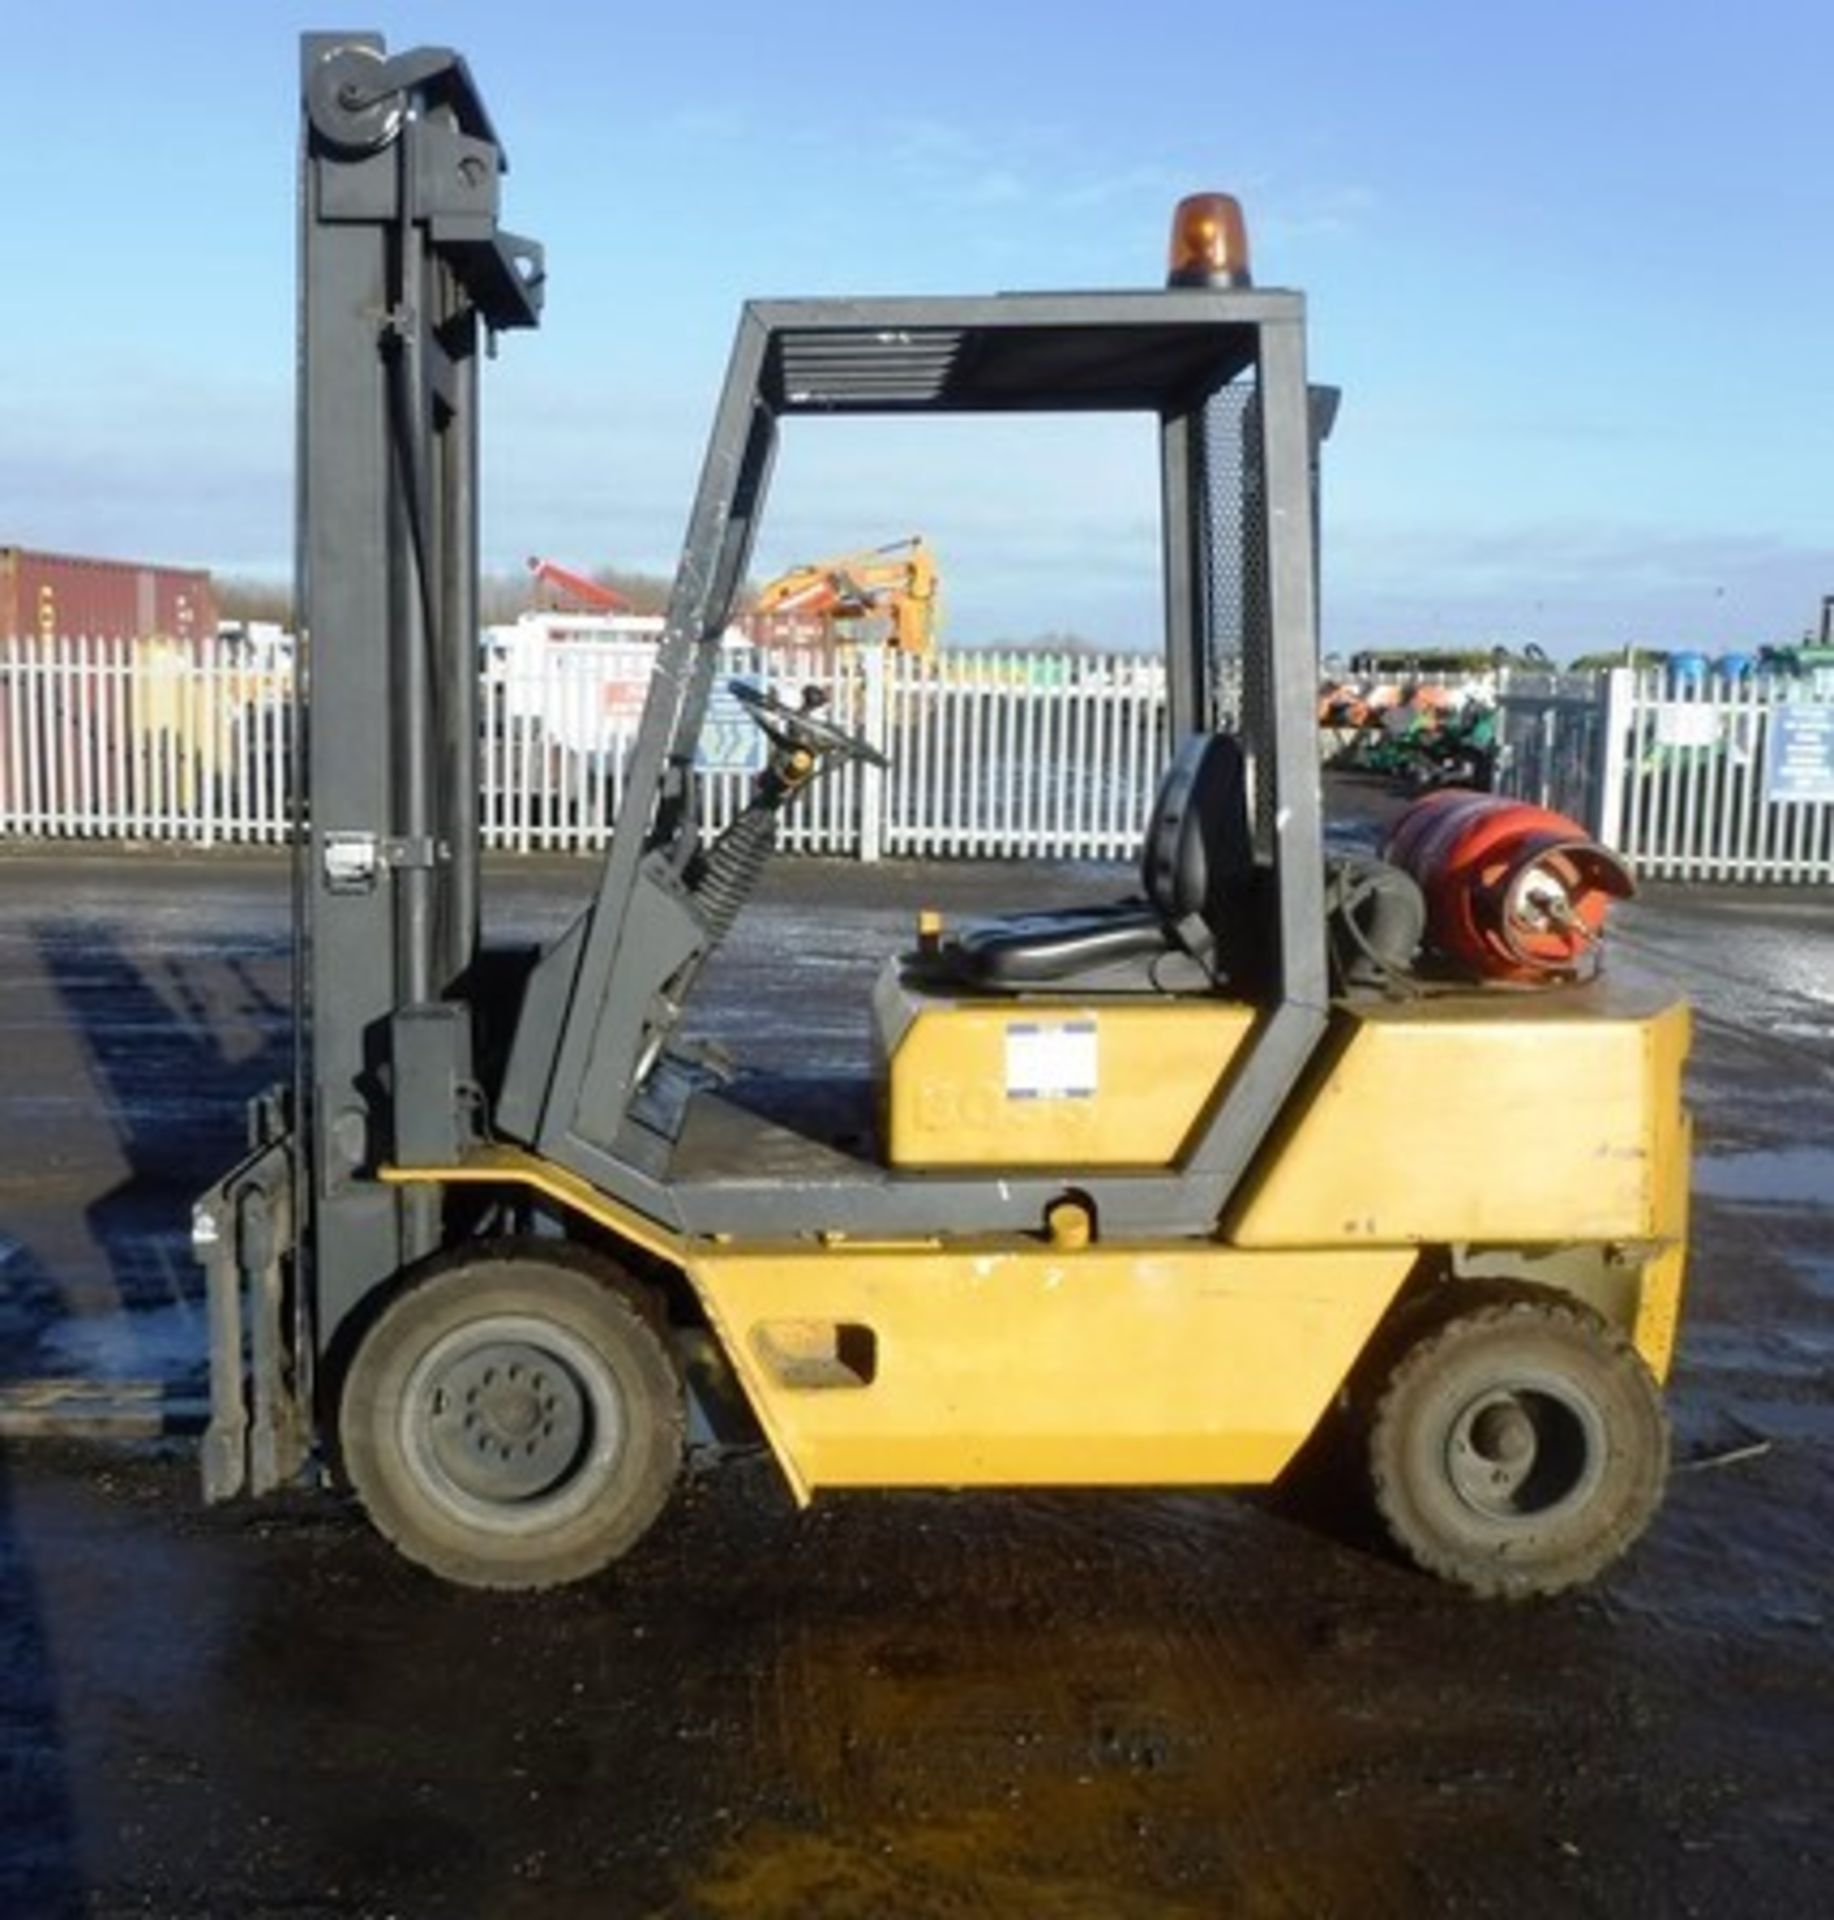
1198 850
1034 949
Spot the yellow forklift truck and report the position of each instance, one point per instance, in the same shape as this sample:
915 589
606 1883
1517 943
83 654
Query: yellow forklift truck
1151 1192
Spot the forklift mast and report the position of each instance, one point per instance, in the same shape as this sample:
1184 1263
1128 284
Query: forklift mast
404 276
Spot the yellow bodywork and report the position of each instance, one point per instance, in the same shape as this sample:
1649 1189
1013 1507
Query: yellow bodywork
1447 1120
1053 1083
1013 1363
1019 1365
1658 1316
1495 1132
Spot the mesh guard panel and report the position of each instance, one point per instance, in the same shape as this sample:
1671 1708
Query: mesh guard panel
1235 576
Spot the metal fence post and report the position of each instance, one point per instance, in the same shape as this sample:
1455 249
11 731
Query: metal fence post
1616 695
872 778
200 710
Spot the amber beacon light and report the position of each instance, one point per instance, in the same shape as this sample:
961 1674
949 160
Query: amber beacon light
1209 242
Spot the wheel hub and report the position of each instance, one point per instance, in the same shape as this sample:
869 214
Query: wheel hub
505 1420
1524 1453
1504 1435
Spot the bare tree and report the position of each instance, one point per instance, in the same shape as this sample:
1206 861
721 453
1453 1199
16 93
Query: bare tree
1053 641
501 596
646 592
253 597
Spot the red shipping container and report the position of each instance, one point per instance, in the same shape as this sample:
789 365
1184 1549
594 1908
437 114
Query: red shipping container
55 595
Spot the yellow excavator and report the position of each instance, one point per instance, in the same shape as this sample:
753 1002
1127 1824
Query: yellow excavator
883 594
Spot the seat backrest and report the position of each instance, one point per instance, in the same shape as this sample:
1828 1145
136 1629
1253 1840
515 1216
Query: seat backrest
1199 840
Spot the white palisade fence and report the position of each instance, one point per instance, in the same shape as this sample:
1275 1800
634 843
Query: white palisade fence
144 740
991 754
1703 779
1720 781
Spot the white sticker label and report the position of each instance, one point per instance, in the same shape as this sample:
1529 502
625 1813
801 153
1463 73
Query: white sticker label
1050 1060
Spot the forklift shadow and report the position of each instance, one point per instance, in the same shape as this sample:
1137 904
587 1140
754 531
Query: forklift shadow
38 1865
99 1286
175 1050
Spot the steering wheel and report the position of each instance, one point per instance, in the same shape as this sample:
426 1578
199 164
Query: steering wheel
802 727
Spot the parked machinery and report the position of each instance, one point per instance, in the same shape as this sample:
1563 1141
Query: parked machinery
1142 1194
586 594
885 595
1812 657
1421 734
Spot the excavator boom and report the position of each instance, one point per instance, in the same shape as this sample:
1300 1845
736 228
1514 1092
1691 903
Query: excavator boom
591 595
897 582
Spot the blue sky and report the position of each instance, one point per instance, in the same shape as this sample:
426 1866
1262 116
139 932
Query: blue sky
1569 262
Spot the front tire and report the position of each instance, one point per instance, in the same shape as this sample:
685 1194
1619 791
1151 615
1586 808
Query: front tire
513 1419
1518 1447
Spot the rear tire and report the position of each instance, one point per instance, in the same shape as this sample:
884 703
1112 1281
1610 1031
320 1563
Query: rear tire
1517 1447
513 1418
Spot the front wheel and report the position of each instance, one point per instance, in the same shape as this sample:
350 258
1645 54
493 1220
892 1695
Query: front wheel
1518 1447
513 1418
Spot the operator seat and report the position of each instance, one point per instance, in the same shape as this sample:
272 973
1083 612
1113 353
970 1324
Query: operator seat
1196 860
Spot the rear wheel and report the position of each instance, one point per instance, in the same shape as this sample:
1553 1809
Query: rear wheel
1517 1447
513 1419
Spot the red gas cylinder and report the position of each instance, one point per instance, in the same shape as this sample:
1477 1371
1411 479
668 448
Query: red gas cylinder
1513 892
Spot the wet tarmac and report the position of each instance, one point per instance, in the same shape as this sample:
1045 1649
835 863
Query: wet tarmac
1101 1705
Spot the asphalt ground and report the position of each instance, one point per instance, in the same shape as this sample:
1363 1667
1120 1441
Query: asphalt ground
1091 1704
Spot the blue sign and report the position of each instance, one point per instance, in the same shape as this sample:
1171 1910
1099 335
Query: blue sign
730 739
1801 765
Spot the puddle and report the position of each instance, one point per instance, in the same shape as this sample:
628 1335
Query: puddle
162 1343
1780 1354
1784 1422
1777 1176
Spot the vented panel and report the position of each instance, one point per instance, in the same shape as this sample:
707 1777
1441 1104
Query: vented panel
906 367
